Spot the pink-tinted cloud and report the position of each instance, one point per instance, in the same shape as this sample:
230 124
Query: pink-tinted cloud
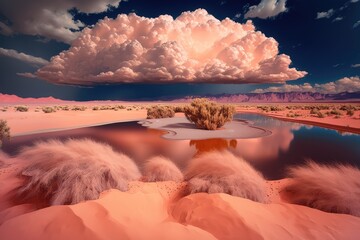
267 9
347 84
195 47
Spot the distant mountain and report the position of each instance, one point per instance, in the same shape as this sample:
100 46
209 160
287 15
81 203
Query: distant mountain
280 97
6 98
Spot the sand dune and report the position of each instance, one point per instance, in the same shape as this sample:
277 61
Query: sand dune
157 211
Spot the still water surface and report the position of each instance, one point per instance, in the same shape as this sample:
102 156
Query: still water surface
289 144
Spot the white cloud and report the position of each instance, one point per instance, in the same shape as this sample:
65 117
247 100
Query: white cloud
327 14
337 19
23 57
347 84
266 9
356 24
354 1
48 18
195 47
237 16
27 75
355 65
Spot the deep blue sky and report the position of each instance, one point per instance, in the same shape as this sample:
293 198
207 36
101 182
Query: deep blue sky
324 48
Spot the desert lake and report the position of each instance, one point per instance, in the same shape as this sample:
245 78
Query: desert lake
288 144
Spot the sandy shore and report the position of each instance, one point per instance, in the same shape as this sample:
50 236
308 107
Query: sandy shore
344 123
179 128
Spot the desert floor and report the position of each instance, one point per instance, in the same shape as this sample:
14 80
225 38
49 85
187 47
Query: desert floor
35 120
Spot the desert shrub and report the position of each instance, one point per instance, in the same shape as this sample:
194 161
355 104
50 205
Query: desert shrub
335 112
350 112
65 108
328 188
78 108
160 112
264 108
276 108
95 108
320 114
21 109
207 114
161 169
73 171
4 131
48 110
292 115
222 172
179 109
314 111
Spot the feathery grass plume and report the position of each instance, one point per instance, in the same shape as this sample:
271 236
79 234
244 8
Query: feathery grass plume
333 189
160 112
207 114
222 172
73 171
160 168
4 131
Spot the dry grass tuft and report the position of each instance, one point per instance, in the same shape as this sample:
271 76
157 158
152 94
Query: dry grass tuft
73 171
161 169
222 172
333 189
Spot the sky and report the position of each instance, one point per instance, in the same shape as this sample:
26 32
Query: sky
111 49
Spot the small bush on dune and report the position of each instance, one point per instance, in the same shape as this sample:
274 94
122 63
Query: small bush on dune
4 131
48 110
328 188
222 172
73 171
78 108
21 109
161 169
207 114
160 112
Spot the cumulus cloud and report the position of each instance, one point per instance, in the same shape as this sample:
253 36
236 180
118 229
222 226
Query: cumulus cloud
347 84
355 65
23 57
356 24
337 19
195 47
326 14
50 19
266 9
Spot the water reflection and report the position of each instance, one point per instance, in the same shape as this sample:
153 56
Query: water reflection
289 144
208 145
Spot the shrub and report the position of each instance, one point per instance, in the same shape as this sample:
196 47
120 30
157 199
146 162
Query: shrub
314 111
320 115
160 112
4 131
207 114
48 110
78 108
73 171
222 172
95 108
21 109
350 112
327 188
161 169
178 109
